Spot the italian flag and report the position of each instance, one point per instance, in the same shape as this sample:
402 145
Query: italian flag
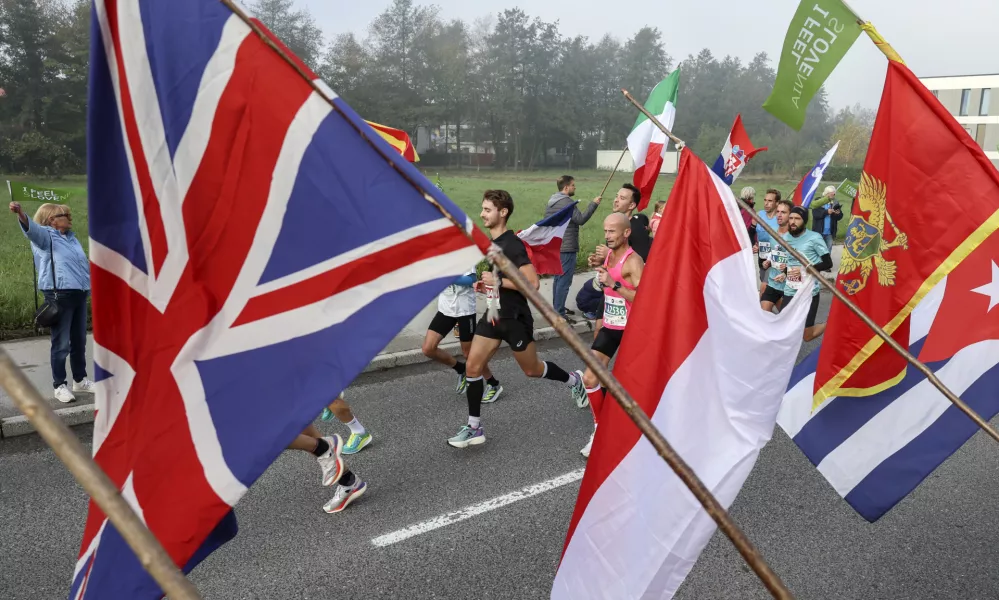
646 143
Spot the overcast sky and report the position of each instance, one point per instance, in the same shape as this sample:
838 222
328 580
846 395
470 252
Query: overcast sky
935 37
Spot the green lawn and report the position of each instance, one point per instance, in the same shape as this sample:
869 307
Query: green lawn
530 191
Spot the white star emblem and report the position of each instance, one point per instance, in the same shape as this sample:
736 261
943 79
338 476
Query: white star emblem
991 289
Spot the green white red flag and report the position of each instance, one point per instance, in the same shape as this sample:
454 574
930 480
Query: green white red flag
646 143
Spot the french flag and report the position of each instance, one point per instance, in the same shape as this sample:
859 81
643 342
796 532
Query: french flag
736 153
809 184
544 241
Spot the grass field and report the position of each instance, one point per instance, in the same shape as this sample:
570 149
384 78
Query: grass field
530 191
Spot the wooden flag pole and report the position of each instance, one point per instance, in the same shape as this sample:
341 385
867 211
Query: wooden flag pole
839 295
619 159
153 558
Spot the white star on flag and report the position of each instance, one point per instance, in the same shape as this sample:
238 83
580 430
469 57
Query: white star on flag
991 289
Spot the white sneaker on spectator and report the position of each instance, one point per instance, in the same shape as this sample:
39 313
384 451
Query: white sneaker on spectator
62 394
84 386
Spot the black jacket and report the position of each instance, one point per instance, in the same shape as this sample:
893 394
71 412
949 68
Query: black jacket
819 218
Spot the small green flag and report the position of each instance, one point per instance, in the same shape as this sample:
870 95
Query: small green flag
848 188
29 192
819 36
438 183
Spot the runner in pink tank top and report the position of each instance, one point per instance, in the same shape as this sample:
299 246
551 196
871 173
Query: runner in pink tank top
617 307
619 277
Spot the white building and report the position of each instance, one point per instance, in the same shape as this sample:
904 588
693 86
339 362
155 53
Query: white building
606 159
974 102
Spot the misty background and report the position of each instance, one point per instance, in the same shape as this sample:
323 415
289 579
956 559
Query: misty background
487 84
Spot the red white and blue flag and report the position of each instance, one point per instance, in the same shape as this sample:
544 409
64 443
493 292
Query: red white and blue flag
736 153
544 241
254 244
875 450
809 184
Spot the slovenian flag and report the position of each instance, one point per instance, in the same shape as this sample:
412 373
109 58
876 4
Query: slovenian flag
544 241
735 154
809 184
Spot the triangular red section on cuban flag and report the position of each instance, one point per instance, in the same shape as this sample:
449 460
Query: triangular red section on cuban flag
969 312
701 358
896 250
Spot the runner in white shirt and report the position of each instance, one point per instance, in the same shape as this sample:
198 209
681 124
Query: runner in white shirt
456 310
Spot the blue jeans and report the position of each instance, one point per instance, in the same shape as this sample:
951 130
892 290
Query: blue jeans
563 281
828 240
69 335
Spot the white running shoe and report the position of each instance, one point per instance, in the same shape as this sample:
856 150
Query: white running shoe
331 462
86 386
62 394
589 445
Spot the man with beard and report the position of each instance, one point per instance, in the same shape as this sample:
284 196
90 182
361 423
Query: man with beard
811 245
570 239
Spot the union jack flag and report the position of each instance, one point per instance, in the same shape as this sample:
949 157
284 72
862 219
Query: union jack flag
254 244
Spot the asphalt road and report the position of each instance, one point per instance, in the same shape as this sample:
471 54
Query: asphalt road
939 543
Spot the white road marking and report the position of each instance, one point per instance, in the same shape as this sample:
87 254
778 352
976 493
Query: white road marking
476 509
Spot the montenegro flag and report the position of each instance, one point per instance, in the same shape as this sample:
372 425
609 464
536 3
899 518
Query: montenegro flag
399 140
928 197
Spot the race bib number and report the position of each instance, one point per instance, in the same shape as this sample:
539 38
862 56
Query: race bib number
764 250
615 311
778 257
793 280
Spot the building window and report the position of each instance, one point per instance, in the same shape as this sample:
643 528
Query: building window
965 101
983 108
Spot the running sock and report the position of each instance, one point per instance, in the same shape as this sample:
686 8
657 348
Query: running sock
347 479
322 447
459 367
356 427
596 396
474 422
492 381
473 393
555 373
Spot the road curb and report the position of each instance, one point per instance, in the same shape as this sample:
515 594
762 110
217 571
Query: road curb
83 414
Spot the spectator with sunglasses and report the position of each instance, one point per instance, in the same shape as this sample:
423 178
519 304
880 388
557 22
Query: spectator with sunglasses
56 248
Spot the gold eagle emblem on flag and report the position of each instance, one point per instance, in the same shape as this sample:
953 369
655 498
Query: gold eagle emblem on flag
865 240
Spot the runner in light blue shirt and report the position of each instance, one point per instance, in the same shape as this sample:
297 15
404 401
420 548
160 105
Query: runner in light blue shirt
776 262
810 245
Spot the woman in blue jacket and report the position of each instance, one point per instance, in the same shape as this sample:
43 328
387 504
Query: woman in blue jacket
53 242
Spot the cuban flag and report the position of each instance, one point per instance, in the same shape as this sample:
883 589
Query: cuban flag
735 154
253 245
544 241
875 450
809 184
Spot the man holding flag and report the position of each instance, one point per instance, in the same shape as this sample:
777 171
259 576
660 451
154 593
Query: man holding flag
570 238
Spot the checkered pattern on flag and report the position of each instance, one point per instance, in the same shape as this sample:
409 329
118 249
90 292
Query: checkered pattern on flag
254 245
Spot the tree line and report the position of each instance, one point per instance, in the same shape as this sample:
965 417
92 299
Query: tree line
509 83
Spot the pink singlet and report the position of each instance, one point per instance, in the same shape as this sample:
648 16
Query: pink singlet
616 308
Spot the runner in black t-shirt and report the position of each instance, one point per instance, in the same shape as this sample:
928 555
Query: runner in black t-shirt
515 324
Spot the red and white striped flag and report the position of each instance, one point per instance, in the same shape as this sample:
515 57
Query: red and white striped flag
710 368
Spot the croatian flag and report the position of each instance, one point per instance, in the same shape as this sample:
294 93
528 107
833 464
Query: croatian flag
876 449
544 241
809 184
696 331
246 231
736 153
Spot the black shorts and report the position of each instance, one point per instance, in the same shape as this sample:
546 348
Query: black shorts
813 311
607 341
518 333
444 324
772 295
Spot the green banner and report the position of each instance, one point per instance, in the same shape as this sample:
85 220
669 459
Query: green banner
819 36
29 192
848 188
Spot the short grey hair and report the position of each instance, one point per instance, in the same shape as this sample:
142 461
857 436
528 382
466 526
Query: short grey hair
829 190
748 193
